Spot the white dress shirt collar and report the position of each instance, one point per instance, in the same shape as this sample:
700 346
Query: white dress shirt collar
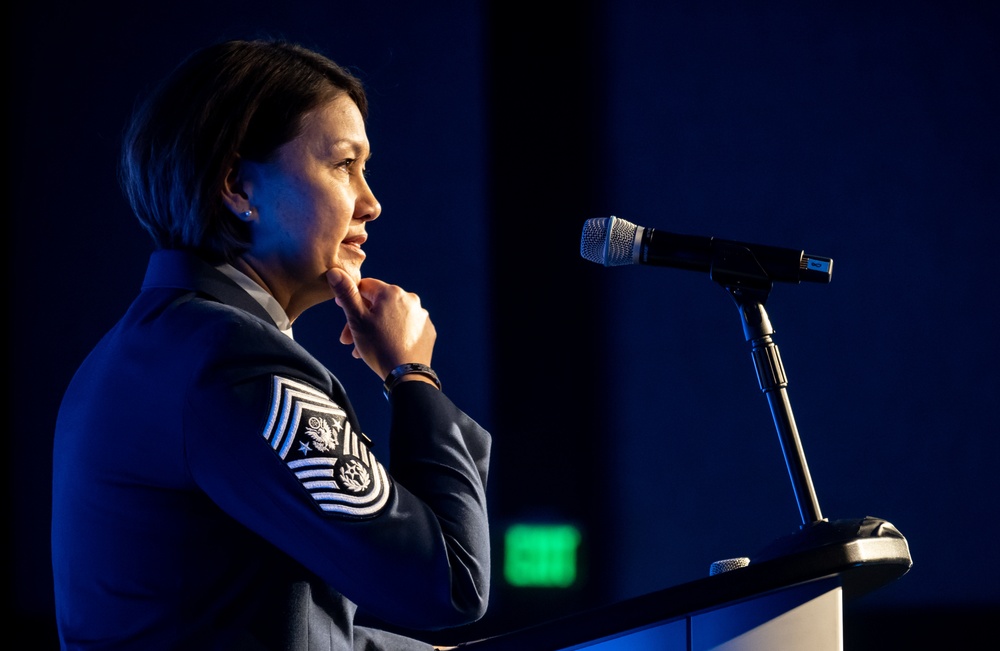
267 301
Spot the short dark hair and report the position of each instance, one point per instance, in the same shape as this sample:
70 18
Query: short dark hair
236 99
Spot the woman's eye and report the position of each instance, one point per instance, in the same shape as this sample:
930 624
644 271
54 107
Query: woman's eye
353 166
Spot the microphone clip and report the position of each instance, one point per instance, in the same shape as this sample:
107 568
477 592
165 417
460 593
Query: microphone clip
734 267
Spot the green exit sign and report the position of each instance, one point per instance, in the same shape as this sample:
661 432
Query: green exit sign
537 555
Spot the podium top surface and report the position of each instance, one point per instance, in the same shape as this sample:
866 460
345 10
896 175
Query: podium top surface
865 554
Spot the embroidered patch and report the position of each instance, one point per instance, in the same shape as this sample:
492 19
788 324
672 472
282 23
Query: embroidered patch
312 434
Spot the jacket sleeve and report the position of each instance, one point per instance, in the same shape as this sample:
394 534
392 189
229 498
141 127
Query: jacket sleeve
272 440
441 456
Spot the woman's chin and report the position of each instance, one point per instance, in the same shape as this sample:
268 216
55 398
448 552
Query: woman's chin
354 273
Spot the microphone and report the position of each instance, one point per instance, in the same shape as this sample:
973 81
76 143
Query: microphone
614 242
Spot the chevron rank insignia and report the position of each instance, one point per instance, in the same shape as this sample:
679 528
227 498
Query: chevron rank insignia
313 435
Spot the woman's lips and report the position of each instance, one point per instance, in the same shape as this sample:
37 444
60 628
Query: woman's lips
355 242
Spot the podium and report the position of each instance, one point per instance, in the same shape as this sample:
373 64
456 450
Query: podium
790 596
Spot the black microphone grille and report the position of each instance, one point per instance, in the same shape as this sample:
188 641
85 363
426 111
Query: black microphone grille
609 241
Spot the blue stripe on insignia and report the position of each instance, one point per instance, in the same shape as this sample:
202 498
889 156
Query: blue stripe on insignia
314 485
309 474
314 461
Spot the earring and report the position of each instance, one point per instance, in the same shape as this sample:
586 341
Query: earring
246 214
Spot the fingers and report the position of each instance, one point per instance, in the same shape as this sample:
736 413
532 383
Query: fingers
348 297
345 292
386 325
346 336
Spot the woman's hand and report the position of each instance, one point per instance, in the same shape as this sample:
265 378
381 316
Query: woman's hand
386 324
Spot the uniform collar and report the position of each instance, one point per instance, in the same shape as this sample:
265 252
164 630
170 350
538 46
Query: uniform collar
185 270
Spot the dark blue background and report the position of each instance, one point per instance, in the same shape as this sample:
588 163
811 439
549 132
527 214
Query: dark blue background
624 399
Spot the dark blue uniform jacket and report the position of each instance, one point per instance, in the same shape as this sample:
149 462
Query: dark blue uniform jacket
213 489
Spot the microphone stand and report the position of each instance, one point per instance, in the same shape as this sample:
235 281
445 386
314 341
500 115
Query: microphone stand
861 540
737 270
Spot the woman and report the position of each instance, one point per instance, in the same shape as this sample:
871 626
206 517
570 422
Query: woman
212 485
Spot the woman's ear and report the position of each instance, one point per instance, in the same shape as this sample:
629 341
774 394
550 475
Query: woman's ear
234 195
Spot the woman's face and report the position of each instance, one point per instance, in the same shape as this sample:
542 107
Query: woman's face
310 205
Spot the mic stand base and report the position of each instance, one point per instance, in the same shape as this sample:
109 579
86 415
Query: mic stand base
869 541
